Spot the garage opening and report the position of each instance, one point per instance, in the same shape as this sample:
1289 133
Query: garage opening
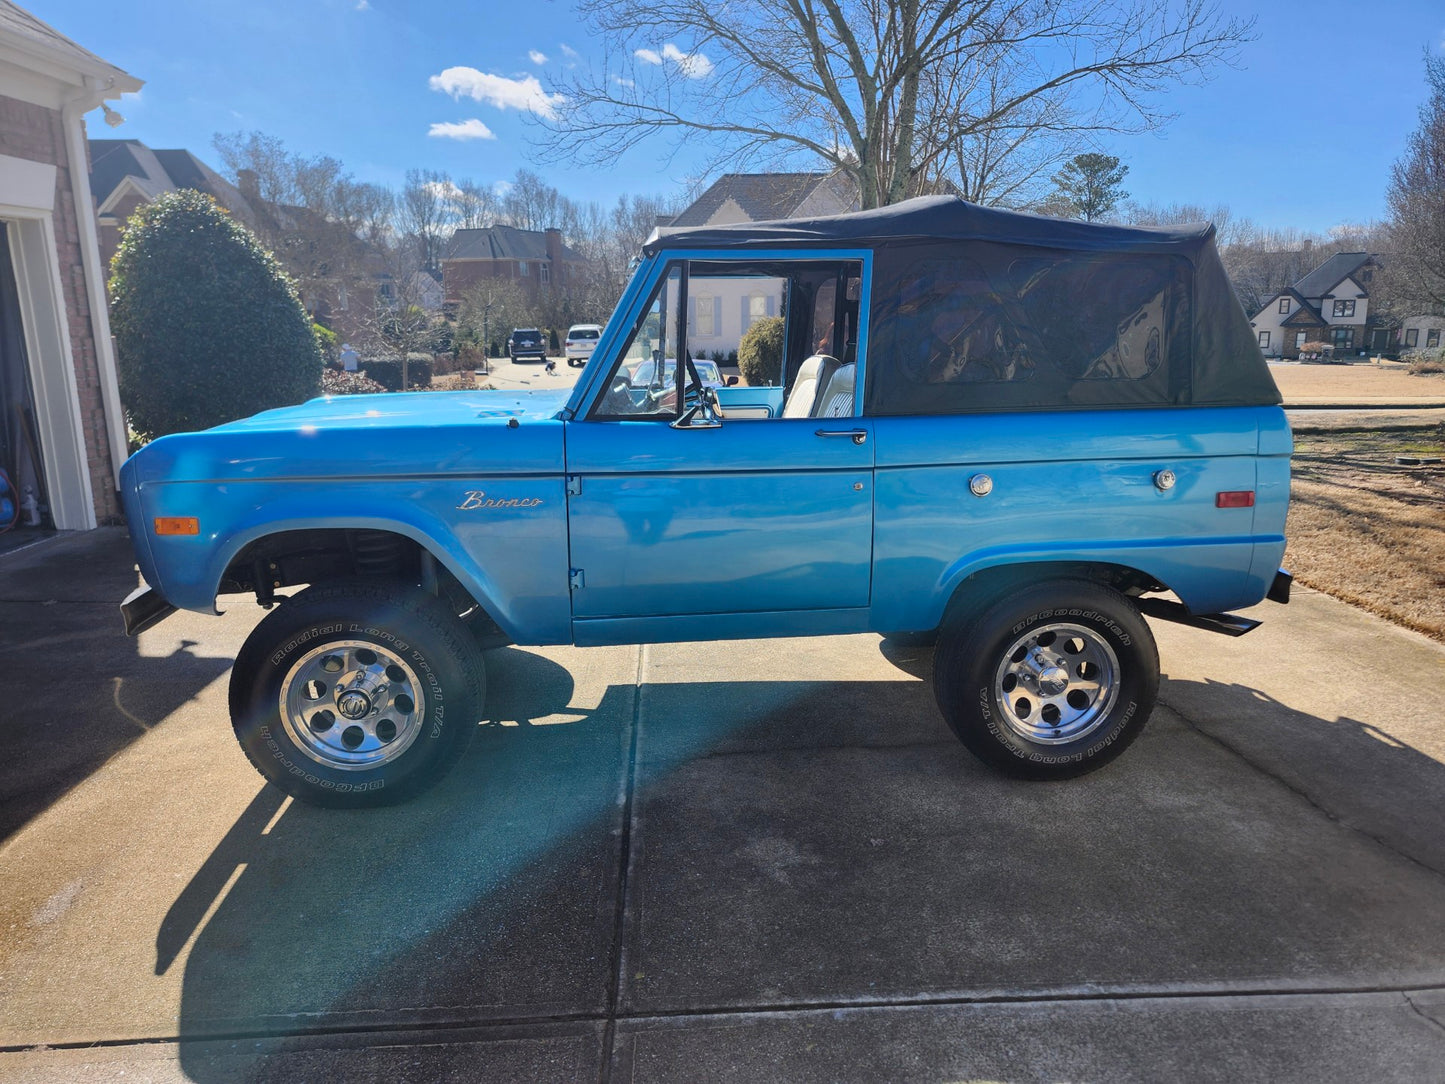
22 484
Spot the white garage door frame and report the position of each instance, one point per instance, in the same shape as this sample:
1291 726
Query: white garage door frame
28 206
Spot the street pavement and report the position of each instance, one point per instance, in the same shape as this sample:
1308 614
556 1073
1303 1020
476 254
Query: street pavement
756 860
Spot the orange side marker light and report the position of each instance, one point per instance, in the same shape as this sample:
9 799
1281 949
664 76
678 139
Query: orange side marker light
177 525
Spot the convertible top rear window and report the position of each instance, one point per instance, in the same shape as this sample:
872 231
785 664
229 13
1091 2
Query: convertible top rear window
998 327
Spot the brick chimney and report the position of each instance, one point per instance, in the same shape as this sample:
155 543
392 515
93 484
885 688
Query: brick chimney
554 248
248 183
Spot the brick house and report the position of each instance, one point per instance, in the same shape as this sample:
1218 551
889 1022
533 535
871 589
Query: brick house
125 173
1330 305
62 433
536 258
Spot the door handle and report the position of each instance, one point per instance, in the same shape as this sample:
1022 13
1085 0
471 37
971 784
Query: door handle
859 435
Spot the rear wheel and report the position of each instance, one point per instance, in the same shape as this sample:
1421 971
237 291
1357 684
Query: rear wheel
1049 682
356 694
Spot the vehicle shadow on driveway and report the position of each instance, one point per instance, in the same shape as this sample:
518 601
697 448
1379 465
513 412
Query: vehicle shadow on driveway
1353 771
779 832
78 690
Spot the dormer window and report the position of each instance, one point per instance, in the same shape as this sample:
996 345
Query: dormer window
1284 305
1344 308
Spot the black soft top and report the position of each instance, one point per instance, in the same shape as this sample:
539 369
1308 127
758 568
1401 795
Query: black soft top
935 218
977 309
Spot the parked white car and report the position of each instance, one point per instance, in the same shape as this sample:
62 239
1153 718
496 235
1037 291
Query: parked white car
581 341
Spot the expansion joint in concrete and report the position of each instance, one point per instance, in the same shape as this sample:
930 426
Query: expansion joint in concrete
619 926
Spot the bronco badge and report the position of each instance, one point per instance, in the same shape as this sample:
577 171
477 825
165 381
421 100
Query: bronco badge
476 498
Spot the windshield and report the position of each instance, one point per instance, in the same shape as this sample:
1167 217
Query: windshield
707 372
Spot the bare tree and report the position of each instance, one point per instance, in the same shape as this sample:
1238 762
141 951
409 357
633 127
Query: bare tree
425 213
531 203
1416 199
475 205
885 90
323 224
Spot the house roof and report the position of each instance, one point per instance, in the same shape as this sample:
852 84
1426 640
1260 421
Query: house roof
502 243
1331 273
22 31
761 196
114 161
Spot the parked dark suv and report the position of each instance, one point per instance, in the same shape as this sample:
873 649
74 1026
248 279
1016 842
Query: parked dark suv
527 342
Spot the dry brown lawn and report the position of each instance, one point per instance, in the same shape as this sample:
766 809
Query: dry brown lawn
1301 383
1368 530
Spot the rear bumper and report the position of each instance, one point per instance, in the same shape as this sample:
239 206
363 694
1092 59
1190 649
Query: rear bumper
1279 589
144 608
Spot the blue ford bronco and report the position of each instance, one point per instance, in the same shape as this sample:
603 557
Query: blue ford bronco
1007 435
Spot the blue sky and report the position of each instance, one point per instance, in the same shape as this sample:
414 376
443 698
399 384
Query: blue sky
1301 134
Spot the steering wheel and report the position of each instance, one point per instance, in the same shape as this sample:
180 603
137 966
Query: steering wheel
618 399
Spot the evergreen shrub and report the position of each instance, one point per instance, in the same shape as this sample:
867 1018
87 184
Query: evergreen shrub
208 327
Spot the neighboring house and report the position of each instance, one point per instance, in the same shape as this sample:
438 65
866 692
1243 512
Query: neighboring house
721 310
536 258
62 432
1423 331
759 197
424 290
125 173
1330 305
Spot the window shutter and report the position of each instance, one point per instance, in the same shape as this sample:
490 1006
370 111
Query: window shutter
746 319
772 305
717 316
691 317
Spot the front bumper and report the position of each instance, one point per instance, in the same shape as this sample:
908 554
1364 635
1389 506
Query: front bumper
144 608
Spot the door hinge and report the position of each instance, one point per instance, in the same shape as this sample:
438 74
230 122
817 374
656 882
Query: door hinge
574 579
574 485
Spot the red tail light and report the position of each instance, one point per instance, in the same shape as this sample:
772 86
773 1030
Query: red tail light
1234 498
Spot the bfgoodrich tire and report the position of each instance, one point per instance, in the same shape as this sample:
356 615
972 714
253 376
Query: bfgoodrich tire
1050 682
356 694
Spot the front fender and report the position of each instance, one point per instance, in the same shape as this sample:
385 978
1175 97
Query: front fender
508 549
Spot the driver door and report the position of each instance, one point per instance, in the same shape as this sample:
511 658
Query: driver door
668 518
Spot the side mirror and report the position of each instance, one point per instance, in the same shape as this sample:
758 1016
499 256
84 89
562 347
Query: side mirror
701 415
732 381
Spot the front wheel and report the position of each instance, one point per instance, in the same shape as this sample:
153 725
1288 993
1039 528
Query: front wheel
356 694
1050 682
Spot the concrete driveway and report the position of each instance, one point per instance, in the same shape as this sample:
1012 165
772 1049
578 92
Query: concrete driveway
735 861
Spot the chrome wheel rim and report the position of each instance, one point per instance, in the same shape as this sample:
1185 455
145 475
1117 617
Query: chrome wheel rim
1056 683
352 705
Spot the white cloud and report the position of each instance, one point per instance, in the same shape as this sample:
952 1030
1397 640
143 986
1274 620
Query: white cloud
537 56
525 94
363 5
621 82
692 65
444 189
648 56
462 130
569 52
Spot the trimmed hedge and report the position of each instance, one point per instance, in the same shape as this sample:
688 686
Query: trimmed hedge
208 327
387 373
344 383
